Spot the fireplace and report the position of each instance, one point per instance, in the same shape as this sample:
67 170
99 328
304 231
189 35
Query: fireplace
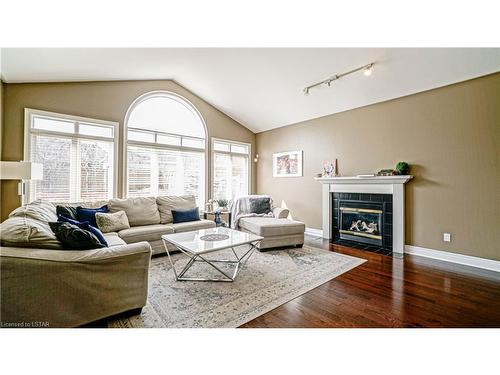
363 219
387 190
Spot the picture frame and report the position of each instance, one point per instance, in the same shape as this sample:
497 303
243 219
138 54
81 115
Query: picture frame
287 164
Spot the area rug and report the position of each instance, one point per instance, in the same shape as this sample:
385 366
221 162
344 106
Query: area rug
267 280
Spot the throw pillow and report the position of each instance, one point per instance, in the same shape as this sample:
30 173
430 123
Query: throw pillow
88 214
85 226
74 238
260 205
182 216
168 203
112 222
66 211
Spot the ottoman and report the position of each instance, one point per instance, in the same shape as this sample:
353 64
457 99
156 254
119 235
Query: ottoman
276 232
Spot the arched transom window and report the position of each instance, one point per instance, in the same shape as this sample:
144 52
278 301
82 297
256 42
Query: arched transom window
166 145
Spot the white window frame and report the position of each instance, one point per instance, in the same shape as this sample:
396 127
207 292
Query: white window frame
162 146
29 130
249 164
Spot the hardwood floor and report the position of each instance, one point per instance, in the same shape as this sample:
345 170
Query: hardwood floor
392 292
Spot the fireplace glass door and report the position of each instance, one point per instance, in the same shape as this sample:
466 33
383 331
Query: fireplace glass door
361 222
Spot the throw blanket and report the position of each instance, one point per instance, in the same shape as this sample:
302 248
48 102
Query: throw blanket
240 208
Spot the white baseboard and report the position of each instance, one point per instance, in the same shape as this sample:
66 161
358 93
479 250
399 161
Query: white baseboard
488 264
314 232
467 260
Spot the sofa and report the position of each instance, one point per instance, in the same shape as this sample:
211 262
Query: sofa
44 284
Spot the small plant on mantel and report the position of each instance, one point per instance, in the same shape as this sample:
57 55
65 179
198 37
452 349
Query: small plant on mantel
402 167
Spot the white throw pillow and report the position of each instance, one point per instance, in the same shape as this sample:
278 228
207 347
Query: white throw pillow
168 203
112 222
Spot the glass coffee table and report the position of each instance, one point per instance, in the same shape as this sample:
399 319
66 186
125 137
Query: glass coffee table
197 244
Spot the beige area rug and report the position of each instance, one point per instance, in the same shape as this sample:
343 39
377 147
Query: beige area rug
268 280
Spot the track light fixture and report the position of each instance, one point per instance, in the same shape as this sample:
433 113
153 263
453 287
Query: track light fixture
367 71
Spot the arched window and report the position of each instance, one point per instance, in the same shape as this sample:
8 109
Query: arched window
166 145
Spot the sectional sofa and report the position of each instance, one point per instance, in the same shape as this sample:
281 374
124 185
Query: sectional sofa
42 283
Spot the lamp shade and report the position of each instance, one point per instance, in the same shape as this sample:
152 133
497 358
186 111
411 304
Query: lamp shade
20 170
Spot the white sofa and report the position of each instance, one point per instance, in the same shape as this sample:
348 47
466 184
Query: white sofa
42 282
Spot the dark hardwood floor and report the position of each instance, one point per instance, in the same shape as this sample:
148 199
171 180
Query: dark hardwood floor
392 292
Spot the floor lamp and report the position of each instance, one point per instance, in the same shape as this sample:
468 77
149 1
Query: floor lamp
22 171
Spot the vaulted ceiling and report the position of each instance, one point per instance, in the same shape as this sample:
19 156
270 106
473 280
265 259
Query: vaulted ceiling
261 88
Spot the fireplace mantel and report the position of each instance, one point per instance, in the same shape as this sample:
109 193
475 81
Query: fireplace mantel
373 185
365 180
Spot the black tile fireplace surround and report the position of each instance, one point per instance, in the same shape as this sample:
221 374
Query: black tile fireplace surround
362 221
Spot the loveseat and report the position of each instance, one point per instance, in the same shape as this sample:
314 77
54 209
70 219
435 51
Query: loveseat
44 284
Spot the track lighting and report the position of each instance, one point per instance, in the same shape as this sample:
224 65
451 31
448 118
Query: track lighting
367 71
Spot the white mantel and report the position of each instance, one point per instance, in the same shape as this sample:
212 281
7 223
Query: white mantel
371 185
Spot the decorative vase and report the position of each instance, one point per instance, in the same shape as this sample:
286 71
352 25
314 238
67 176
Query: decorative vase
218 221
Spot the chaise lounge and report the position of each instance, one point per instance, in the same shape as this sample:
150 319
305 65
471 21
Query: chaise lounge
255 214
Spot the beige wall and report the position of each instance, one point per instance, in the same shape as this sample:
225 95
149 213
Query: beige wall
451 136
100 100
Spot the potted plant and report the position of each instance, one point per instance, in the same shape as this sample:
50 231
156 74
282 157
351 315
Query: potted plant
222 204
402 167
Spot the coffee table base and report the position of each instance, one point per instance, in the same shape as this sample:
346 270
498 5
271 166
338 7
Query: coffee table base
199 258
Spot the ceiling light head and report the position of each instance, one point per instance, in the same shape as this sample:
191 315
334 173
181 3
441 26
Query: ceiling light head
367 71
306 91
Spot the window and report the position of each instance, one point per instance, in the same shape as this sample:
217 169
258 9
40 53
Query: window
165 147
78 157
230 169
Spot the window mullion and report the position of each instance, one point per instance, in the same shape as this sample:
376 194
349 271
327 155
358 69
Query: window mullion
155 171
74 171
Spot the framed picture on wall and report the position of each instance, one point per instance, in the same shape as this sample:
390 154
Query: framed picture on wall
287 164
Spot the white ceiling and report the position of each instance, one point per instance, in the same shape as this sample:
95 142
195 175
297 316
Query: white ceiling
261 88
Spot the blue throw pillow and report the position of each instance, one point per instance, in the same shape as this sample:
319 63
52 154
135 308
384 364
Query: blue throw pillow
182 216
88 214
85 226
66 219
95 231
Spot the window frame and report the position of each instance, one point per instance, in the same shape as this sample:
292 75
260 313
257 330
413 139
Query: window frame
187 104
212 160
29 130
